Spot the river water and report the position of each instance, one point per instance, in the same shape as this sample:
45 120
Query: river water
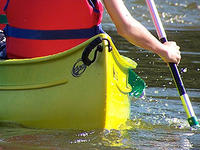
158 121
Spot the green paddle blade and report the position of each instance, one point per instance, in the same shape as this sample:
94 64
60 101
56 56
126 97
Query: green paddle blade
193 121
138 85
3 19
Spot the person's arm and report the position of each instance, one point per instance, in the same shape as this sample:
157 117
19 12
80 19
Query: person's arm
137 34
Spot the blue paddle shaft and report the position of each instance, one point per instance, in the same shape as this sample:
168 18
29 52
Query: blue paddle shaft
177 78
176 74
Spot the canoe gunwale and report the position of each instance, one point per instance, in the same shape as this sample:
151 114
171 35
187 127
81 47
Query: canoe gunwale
49 57
124 61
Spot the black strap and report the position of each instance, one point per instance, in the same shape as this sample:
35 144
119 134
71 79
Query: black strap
91 47
81 64
88 50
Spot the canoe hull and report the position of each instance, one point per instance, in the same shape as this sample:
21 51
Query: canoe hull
43 93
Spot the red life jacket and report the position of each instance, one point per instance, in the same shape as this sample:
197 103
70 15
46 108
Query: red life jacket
45 27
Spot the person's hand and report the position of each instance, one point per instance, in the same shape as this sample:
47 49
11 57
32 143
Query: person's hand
171 53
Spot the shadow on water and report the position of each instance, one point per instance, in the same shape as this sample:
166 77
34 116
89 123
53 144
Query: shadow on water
156 73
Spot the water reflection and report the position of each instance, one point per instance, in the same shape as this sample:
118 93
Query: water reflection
141 136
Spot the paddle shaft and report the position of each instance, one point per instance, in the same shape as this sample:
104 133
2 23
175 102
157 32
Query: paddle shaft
192 119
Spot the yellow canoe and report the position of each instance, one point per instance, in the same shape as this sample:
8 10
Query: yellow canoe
63 91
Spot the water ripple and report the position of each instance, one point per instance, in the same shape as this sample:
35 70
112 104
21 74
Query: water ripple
175 14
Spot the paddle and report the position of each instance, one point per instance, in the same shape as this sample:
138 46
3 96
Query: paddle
192 119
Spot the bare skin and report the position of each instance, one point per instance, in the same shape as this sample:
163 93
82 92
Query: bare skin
137 34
